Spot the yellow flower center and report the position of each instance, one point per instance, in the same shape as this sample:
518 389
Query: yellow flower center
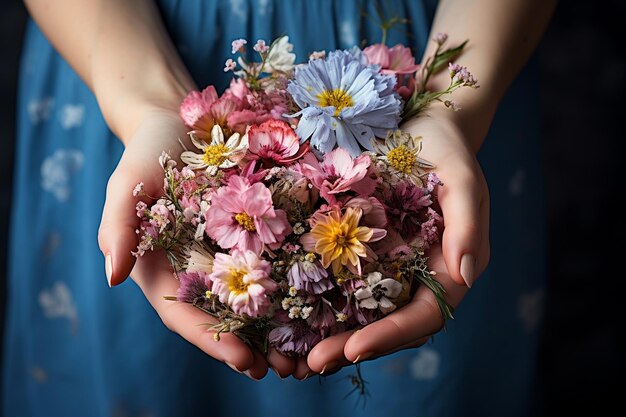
245 221
337 98
402 159
235 283
214 155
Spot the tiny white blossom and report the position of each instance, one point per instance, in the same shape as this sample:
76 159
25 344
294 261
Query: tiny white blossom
377 293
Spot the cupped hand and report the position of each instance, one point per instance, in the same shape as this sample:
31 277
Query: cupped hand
160 130
458 261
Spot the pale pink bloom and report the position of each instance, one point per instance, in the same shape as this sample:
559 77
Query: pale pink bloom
260 46
229 65
242 216
440 38
275 143
238 45
396 60
242 280
338 173
138 190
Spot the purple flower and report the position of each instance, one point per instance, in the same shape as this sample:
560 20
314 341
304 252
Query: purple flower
309 276
430 229
323 316
405 203
295 338
193 288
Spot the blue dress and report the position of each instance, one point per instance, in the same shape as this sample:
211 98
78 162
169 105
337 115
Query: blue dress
74 347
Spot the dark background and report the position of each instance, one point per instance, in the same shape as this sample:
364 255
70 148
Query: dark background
583 87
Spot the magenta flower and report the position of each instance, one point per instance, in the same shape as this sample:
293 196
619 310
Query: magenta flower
242 216
338 173
396 60
242 280
275 143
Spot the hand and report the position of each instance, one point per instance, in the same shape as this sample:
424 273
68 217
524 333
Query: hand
159 131
462 256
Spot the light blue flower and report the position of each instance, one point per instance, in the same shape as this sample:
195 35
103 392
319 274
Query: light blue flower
344 102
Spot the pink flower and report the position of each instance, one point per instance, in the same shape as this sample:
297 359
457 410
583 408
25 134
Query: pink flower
238 45
242 280
275 143
202 111
338 173
405 204
242 216
396 60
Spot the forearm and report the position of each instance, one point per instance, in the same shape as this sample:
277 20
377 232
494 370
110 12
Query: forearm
122 51
502 35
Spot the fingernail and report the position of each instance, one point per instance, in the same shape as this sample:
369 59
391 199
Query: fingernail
277 373
108 268
468 266
308 374
247 373
233 367
363 356
329 366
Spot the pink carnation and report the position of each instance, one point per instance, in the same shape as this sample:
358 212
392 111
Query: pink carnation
242 216
275 143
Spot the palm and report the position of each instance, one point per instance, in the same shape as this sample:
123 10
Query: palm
464 200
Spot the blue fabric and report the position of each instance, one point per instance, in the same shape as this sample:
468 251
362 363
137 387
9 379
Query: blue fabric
74 347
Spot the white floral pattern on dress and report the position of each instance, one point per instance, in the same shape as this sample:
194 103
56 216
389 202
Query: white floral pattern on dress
71 115
57 170
530 308
239 9
264 7
425 365
346 34
39 110
57 302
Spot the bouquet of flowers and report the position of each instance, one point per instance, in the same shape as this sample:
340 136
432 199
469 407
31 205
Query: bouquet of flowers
304 210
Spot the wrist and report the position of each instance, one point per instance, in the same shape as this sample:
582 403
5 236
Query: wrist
125 107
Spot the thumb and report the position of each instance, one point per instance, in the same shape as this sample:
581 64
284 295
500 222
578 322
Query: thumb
116 236
465 240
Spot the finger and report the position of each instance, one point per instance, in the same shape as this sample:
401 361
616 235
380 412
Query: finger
281 364
156 281
411 345
259 367
328 354
116 236
417 320
302 371
460 199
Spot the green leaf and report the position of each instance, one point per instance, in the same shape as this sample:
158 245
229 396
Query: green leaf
442 59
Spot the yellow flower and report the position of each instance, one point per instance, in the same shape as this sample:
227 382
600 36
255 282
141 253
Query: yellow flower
340 241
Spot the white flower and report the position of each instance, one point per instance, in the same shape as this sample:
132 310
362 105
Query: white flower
280 57
378 292
216 154
199 260
400 150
